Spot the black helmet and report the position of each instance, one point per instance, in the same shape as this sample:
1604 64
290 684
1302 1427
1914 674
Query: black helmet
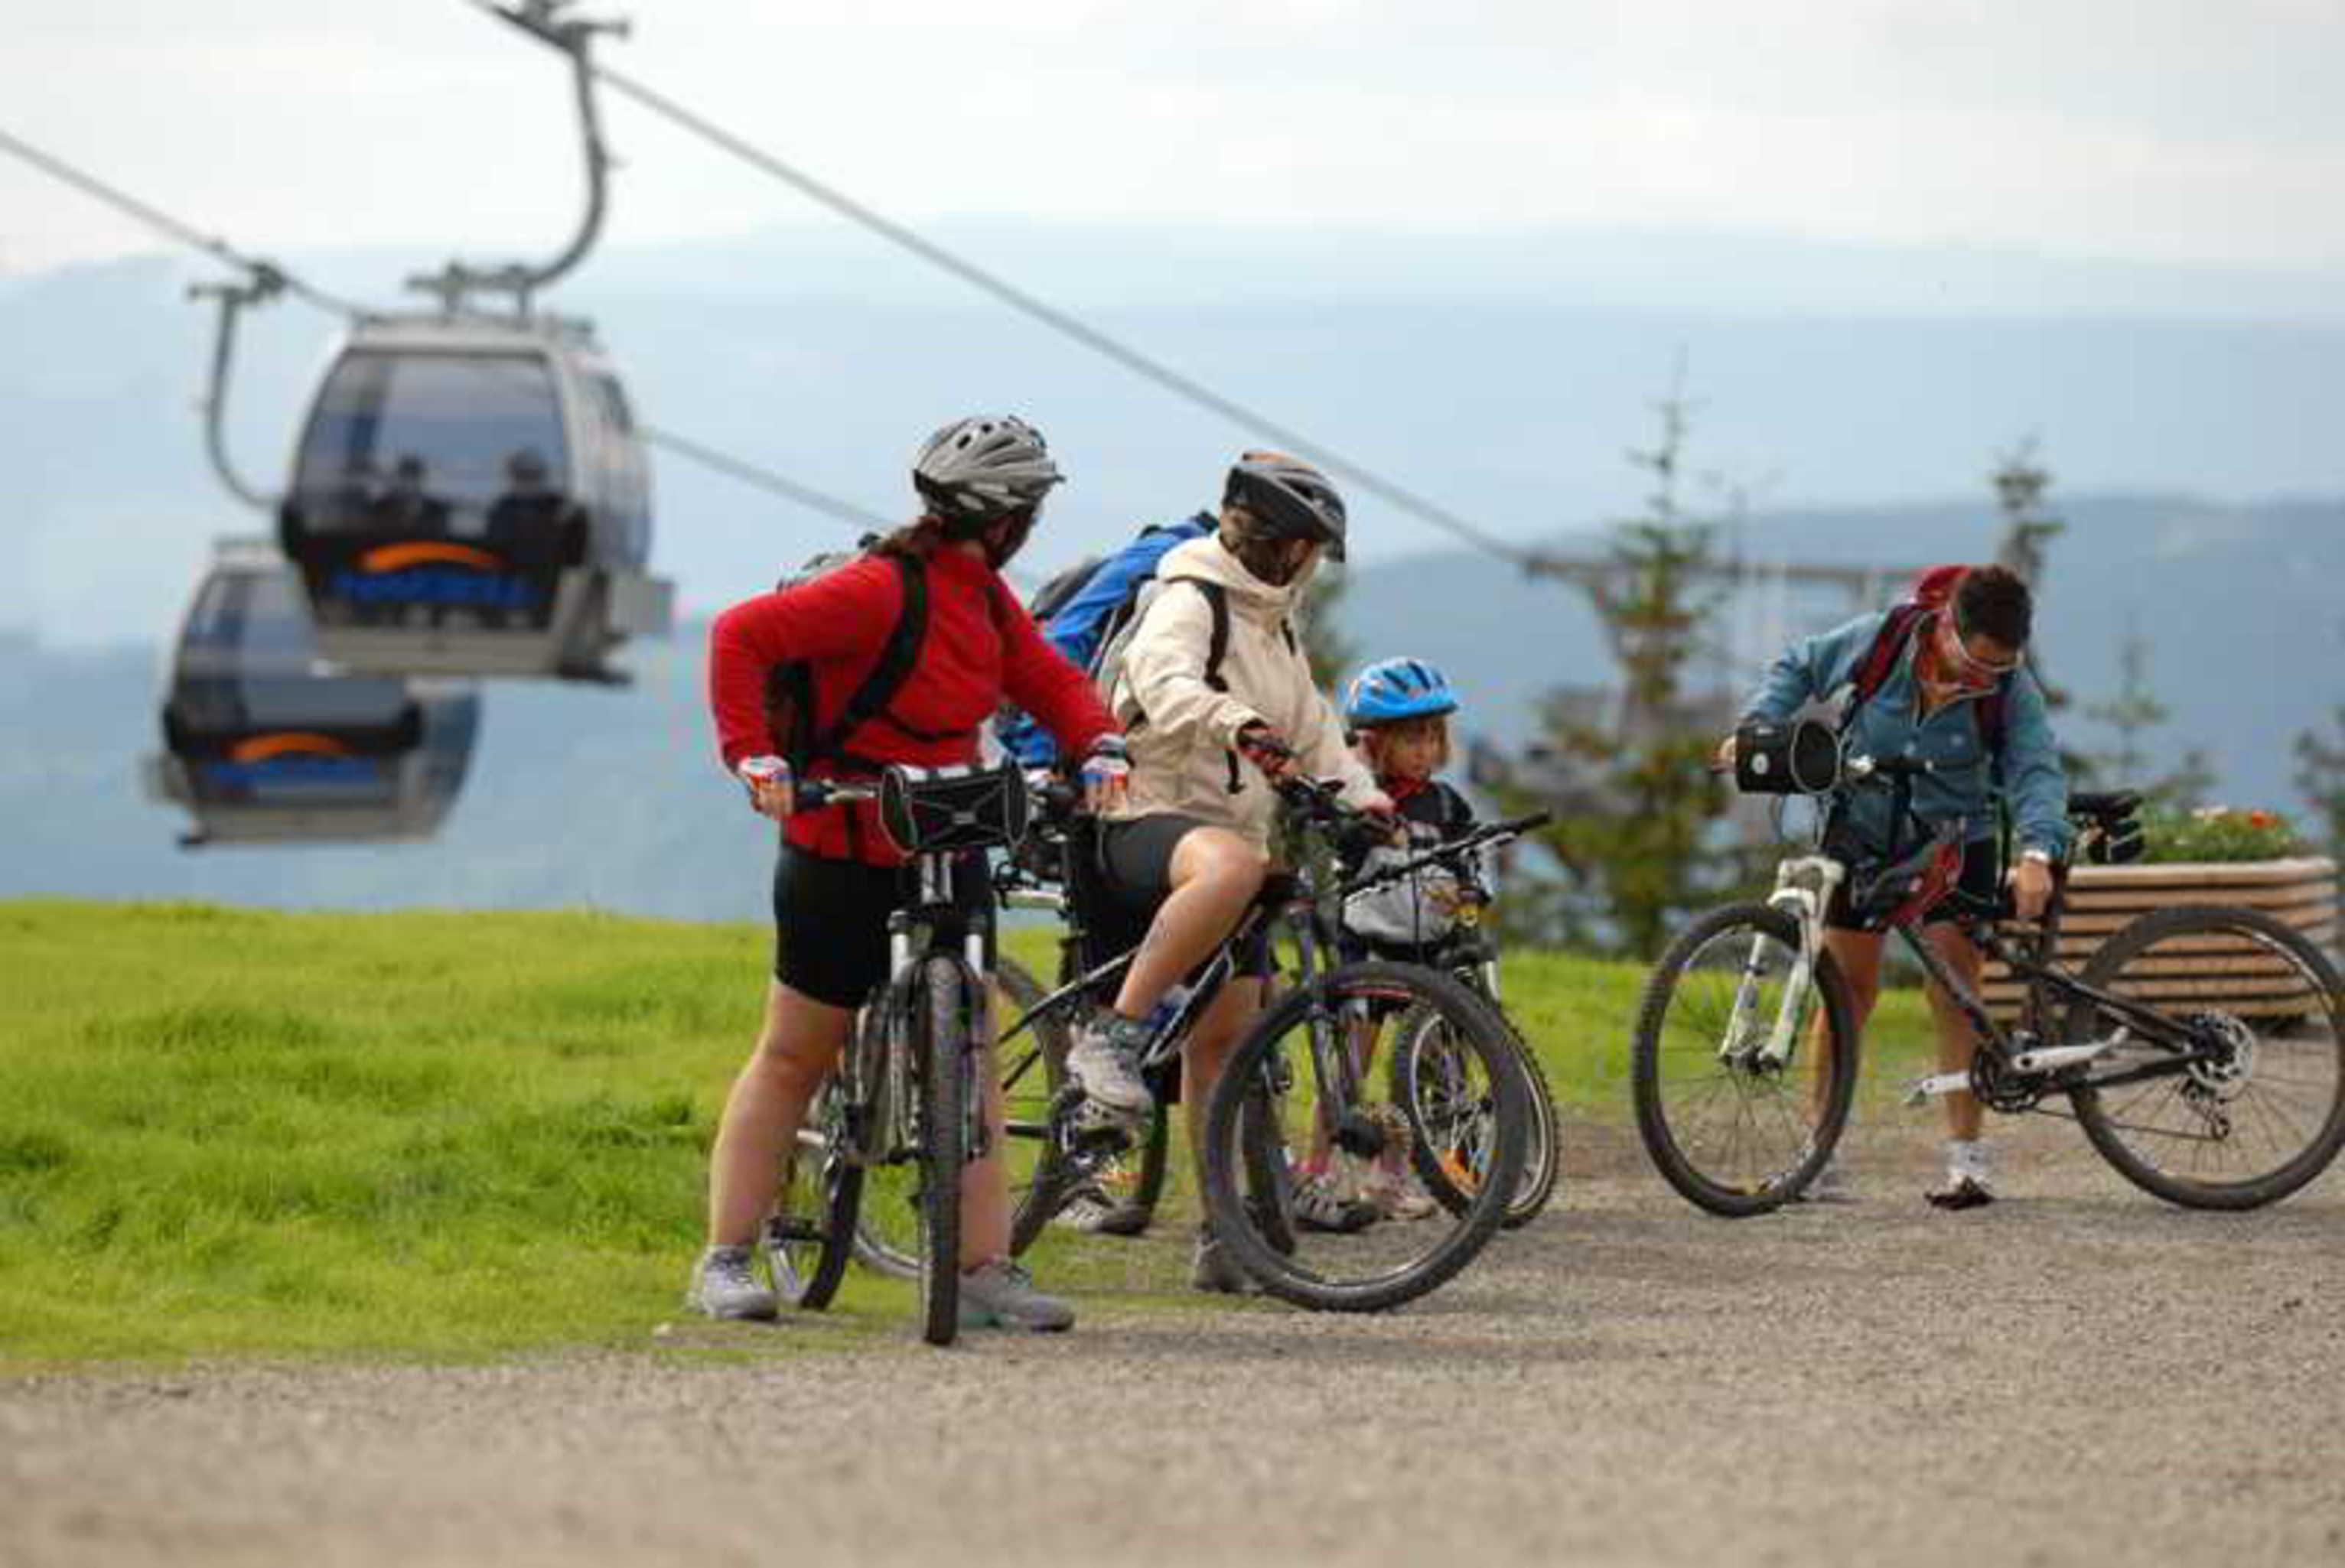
978 470
1290 498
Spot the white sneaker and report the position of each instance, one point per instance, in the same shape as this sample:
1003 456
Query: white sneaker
723 1285
1104 1062
1970 1177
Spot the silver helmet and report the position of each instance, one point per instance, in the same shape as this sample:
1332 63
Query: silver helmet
976 470
1289 498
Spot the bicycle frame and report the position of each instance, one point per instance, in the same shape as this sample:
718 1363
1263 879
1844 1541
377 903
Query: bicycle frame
882 1109
1804 889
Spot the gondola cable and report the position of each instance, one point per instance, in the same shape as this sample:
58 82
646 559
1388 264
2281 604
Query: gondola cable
1050 316
264 276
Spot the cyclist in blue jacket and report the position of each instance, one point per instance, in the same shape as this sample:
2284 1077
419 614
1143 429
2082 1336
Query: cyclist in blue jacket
1956 692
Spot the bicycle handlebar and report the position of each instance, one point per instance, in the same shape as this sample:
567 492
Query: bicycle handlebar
1859 768
813 794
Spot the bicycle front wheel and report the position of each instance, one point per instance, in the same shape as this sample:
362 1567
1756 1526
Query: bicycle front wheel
946 1058
1453 1140
1734 1127
2257 1108
1309 1187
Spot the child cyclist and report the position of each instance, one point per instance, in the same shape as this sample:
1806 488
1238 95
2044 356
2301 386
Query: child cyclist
1399 710
981 481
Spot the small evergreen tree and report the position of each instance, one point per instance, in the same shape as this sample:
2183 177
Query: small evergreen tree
2132 713
1635 804
2321 774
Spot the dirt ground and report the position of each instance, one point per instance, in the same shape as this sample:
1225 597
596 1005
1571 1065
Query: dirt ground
2079 1374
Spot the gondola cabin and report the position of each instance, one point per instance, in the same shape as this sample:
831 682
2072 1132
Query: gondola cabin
263 744
470 497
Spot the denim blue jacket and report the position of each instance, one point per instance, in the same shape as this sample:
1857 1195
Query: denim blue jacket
2032 782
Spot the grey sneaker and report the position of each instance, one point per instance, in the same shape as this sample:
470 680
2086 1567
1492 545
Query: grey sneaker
723 1285
1319 1206
1104 1062
1089 1210
1000 1295
1216 1271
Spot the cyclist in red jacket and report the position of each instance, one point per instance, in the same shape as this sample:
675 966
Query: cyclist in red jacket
981 481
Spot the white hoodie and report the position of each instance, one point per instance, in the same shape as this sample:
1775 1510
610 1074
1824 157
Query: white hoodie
1184 733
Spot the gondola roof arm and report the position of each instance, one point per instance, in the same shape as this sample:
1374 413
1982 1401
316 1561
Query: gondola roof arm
264 283
545 21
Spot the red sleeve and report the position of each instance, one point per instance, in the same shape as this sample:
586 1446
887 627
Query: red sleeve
1047 684
840 613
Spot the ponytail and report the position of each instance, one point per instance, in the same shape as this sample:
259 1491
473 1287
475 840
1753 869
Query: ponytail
914 541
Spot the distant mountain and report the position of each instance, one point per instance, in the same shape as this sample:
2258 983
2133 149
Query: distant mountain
612 798
1502 374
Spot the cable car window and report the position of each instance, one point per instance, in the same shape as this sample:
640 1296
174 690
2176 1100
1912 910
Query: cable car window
424 443
248 660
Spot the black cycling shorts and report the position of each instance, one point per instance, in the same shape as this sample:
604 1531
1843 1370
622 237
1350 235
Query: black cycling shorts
830 921
1978 891
1136 866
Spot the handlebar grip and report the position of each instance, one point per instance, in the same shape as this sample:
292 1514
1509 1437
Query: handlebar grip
814 794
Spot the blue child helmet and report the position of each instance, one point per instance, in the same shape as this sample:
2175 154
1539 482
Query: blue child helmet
1391 690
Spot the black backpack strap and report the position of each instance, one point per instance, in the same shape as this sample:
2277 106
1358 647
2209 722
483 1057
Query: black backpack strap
1217 644
897 658
1217 650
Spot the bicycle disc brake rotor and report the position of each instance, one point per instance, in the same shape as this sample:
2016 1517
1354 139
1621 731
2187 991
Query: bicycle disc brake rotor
2230 1062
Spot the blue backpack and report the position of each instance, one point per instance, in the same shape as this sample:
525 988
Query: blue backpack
1081 611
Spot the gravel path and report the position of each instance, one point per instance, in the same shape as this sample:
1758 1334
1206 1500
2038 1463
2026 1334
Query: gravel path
2079 1374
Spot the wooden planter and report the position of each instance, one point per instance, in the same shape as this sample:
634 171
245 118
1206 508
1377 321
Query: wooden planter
2103 898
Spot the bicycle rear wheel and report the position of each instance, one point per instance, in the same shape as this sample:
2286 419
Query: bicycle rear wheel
811 1235
2264 1112
1734 1132
1286 1163
1453 1138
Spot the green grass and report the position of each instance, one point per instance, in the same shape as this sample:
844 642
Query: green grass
233 1132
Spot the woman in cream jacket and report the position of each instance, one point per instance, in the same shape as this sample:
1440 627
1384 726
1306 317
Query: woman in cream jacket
1210 736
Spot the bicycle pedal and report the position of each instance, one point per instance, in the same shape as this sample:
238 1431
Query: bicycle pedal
1922 1089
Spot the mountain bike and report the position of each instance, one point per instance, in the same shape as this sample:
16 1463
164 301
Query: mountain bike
1421 1065
2201 1048
1293 1106
893 1128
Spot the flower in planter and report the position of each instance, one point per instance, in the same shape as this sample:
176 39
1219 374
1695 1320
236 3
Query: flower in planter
2219 833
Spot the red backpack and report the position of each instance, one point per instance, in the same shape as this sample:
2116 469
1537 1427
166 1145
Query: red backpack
1933 591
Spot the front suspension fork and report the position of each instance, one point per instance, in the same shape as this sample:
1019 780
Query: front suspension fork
1803 890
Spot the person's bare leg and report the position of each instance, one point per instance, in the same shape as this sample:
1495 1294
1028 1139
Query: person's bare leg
985 1183
1857 954
1216 875
1206 1050
1957 1042
798 1045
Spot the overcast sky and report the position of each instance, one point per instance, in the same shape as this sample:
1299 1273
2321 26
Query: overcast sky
2153 130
